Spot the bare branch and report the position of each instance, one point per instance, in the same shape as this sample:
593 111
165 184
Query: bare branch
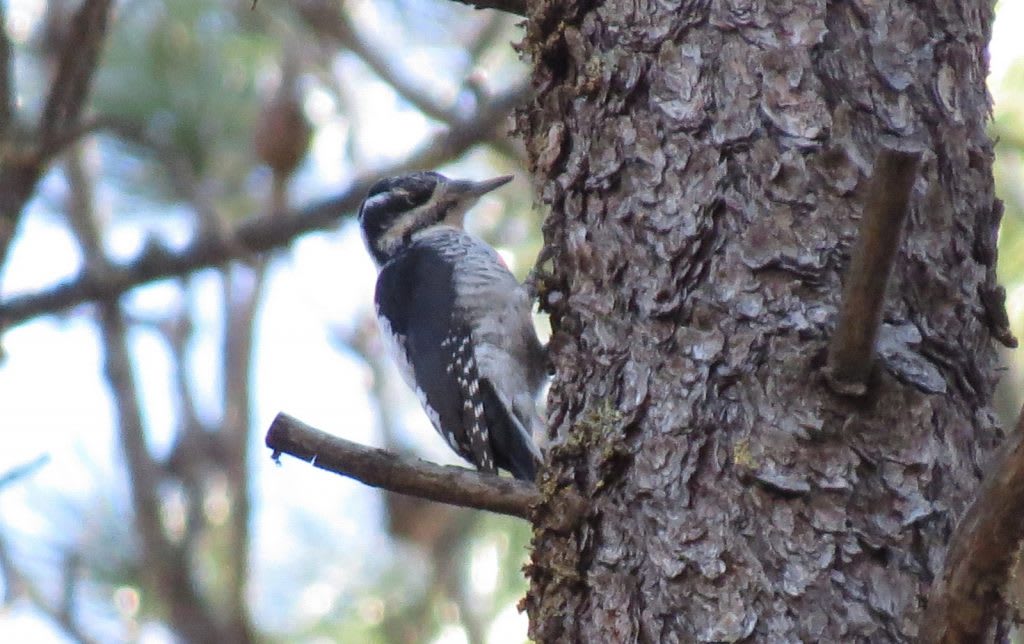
75 66
485 38
993 300
415 477
968 598
166 563
516 7
330 20
852 350
17 183
242 294
124 129
257 234
179 169
59 142
24 470
15 582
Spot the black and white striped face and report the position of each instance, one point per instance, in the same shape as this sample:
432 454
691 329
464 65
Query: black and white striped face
398 207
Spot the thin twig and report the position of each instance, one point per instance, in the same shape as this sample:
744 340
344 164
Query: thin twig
968 597
167 564
17 583
479 44
484 39
24 470
852 350
331 21
254 235
87 126
242 291
383 469
179 169
75 66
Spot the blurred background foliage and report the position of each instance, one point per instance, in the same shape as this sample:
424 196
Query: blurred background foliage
1007 130
198 118
203 114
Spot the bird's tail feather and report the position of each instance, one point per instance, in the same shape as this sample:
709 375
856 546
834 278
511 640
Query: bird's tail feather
511 443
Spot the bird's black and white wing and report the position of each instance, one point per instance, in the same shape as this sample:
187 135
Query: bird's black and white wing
415 303
460 329
458 323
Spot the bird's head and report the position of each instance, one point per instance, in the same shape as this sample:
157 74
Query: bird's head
397 207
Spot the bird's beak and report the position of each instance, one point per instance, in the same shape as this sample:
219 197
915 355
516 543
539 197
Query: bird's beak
461 195
478 188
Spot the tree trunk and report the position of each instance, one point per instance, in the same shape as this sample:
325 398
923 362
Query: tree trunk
705 168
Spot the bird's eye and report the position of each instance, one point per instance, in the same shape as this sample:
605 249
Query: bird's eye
416 190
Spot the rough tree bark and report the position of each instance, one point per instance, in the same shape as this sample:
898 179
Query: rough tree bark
705 167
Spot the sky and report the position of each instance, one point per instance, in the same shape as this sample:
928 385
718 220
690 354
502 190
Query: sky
55 403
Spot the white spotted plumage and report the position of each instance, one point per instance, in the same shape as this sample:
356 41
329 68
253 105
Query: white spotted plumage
457 322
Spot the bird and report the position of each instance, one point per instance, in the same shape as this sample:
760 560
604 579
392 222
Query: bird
456 321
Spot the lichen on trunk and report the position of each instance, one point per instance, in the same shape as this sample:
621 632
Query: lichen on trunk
705 168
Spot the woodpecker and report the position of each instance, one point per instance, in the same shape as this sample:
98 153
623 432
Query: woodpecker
455 319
